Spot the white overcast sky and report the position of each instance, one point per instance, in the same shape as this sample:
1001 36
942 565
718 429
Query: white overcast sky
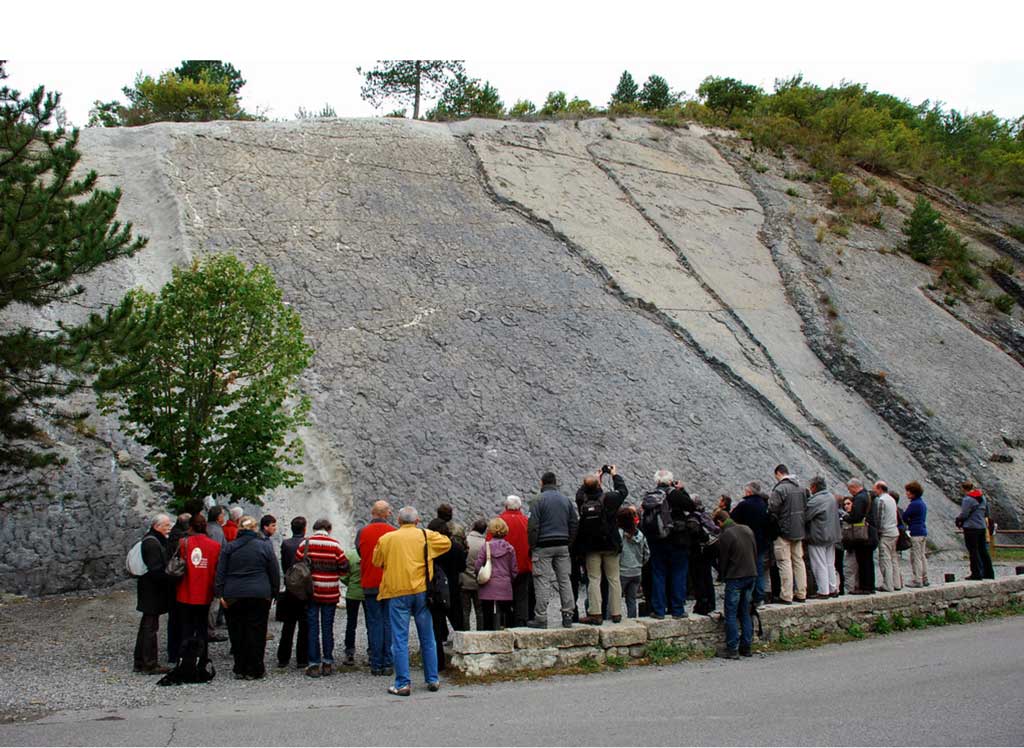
300 53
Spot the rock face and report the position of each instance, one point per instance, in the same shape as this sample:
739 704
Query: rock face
491 300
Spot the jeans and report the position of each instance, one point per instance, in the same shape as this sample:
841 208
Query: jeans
670 565
400 610
147 651
737 603
551 571
351 621
378 630
321 614
760 589
630 585
977 549
295 615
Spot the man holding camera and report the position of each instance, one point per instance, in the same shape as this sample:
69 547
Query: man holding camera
599 542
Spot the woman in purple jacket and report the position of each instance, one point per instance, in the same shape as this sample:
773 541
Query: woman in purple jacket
498 589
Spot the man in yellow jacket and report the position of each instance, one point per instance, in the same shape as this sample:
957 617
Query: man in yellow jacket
404 555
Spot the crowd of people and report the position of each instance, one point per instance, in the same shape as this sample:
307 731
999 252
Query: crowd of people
646 556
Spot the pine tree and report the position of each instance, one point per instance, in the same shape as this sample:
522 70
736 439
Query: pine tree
407 81
55 227
627 90
655 94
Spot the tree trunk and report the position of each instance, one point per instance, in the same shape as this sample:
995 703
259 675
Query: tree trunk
416 103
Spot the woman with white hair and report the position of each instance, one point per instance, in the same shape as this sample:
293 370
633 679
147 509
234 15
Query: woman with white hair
518 538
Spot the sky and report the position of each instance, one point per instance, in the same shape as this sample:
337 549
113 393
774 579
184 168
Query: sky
304 54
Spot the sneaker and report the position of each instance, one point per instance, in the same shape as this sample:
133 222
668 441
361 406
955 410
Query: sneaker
327 669
616 619
403 691
819 596
728 654
780 601
536 624
313 671
567 620
658 616
799 599
592 620
681 616
745 652
377 671
435 686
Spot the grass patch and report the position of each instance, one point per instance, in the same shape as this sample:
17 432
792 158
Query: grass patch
855 631
1007 554
954 616
1017 232
882 625
615 662
661 651
792 192
1004 303
900 622
589 665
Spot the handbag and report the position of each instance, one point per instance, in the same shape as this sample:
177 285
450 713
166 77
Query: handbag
859 533
439 596
176 564
484 575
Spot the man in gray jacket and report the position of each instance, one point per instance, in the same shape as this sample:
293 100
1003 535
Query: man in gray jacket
786 505
823 533
551 530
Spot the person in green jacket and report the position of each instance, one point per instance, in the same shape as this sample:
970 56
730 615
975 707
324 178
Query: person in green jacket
354 597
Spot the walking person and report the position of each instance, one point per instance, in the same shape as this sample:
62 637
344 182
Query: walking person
406 560
973 519
291 611
823 533
496 593
888 535
737 550
916 517
328 563
635 553
154 596
786 505
552 529
469 589
599 541
378 627
248 577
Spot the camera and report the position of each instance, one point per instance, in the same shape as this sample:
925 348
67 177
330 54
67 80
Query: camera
606 469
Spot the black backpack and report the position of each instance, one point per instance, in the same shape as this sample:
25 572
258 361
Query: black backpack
656 515
592 523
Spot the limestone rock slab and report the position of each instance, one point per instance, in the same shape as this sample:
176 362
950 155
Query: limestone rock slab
622 635
578 636
474 642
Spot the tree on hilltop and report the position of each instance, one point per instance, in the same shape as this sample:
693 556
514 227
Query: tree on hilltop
464 97
407 81
627 90
726 95
215 70
55 229
656 94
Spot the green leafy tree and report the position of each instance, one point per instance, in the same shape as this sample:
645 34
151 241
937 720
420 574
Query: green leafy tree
465 97
171 98
213 391
555 103
213 70
726 95
580 106
407 81
627 90
655 94
54 229
522 108
925 231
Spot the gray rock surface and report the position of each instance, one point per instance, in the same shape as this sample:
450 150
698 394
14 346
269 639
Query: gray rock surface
490 300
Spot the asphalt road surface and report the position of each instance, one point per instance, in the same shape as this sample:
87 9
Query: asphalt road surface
957 685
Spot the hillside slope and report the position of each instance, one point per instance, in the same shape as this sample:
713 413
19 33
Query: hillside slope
490 300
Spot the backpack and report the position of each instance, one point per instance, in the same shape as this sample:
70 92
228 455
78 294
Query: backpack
592 523
656 515
299 578
133 562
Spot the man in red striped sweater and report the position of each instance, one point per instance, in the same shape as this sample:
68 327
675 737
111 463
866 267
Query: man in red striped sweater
328 563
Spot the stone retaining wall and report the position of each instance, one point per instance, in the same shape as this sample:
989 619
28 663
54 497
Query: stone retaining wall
483 652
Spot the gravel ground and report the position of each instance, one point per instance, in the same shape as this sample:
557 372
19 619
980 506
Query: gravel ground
72 652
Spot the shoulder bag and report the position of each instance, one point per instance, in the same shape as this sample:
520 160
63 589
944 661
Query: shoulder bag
484 575
176 564
299 579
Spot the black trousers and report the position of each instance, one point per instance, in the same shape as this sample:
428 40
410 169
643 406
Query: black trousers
193 623
439 617
977 549
147 650
702 585
351 622
865 567
840 552
173 633
292 613
493 618
521 598
247 628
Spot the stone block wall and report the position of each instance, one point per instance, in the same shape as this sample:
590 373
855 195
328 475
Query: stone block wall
484 652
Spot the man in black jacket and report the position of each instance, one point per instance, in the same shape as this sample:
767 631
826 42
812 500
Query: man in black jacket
864 552
154 596
599 543
290 609
737 549
670 556
752 511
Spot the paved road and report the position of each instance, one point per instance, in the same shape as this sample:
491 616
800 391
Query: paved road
960 685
